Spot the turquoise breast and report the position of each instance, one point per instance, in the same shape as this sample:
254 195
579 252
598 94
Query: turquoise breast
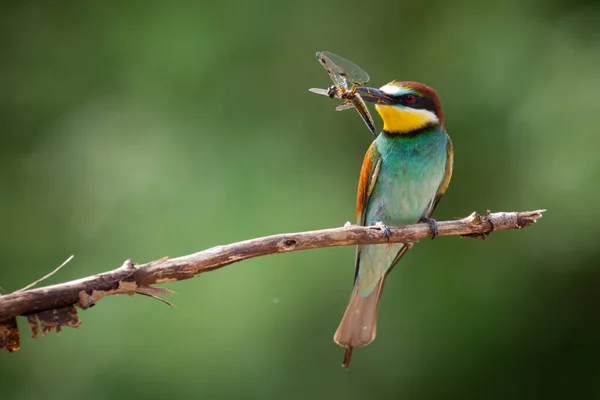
412 169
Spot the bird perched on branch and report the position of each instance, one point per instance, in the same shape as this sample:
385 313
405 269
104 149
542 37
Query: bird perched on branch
405 173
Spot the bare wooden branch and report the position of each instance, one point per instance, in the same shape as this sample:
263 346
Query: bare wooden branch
131 279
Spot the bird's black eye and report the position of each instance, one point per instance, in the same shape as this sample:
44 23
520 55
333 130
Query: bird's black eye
410 98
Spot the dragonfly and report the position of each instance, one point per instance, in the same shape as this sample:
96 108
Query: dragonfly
346 77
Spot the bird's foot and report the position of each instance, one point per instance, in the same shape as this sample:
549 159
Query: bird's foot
432 225
383 228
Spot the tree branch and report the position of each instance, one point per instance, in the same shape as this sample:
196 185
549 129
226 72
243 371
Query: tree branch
54 306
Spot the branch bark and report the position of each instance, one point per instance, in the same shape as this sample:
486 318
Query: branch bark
54 306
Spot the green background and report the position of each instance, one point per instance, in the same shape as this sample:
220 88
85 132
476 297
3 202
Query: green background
149 129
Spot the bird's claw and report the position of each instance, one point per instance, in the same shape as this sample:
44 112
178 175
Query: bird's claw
383 228
432 225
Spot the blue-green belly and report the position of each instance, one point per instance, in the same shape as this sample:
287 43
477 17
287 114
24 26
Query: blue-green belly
412 169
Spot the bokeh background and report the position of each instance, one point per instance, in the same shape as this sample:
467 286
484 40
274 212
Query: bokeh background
149 129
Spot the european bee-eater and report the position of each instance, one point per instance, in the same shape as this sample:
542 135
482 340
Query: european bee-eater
405 173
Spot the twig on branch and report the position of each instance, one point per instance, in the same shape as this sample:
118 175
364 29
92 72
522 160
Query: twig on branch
48 275
54 306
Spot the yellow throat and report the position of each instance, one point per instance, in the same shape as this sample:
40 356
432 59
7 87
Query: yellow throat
404 120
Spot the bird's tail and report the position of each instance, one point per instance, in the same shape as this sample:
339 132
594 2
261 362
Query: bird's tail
359 323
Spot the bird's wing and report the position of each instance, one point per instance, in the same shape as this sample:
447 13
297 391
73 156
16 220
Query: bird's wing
366 182
447 175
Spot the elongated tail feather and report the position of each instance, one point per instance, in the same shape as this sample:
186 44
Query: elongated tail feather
359 323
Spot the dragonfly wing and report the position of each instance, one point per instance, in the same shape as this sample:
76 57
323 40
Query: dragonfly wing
336 73
346 105
346 69
324 92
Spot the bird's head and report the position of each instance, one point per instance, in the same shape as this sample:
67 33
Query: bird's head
405 107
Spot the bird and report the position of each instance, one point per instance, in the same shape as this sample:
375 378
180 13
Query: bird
405 173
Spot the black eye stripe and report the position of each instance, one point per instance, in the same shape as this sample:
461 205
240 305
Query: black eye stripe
422 103
404 99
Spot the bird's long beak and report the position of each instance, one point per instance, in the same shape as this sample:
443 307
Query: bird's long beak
374 95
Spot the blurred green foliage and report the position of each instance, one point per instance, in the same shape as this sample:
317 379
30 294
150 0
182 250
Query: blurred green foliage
148 129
